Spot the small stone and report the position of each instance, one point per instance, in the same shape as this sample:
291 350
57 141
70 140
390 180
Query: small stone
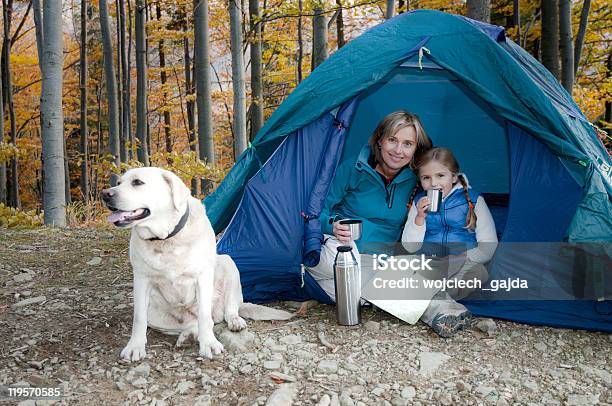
184 387
29 301
377 391
540 347
582 400
291 339
328 366
142 370
246 369
22 277
37 364
464 386
272 364
95 261
431 361
324 401
239 342
203 400
397 401
487 326
485 391
139 383
121 385
283 396
372 326
408 392
345 400
531 386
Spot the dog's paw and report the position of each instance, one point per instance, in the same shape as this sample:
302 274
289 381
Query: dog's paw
210 347
191 331
236 323
134 351
182 338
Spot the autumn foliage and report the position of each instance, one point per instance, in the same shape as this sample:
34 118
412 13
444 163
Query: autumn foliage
279 21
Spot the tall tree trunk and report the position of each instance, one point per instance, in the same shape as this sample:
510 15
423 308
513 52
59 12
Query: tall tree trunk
566 45
480 10
111 88
141 84
584 21
516 6
3 184
3 190
100 139
257 113
550 36
38 23
83 87
239 119
52 116
147 6
191 136
126 127
122 143
300 55
128 87
319 38
203 86
66 174
340 25
390 10
164 79
7 13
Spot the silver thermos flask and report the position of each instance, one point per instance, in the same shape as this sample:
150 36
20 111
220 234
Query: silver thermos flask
347 277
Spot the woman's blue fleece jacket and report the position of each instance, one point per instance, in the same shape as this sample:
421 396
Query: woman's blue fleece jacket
359 192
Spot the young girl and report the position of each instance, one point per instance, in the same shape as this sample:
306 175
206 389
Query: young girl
463 227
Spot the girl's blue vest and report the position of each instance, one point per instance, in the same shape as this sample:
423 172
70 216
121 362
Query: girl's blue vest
445 231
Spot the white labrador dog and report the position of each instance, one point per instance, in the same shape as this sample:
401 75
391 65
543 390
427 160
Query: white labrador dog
181 285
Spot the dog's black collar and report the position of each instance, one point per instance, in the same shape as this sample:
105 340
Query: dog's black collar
178 227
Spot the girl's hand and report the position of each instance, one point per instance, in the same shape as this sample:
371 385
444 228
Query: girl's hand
342 232
422 205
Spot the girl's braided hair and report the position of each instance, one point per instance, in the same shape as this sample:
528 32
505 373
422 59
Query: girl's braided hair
445 157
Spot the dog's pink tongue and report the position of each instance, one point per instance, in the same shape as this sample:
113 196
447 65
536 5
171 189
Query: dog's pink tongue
118 216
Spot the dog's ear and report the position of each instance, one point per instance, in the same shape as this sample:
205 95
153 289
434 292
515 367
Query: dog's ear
180 192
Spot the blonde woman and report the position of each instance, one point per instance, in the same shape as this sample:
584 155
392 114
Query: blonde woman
373 188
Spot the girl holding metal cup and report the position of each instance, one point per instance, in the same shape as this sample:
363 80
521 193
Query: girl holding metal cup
449 218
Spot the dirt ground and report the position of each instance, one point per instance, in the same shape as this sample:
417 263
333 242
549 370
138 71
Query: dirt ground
65 314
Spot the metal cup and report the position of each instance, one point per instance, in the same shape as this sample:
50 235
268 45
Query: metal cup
355 227
435 200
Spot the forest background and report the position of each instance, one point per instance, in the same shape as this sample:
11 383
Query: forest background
138 76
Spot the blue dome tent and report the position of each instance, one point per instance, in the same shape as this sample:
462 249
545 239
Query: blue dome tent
514 129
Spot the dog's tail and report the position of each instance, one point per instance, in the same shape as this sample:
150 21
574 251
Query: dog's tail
258 312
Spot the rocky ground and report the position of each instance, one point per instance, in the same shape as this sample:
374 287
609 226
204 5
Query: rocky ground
65 314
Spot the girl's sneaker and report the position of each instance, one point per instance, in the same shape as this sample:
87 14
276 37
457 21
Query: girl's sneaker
447 325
